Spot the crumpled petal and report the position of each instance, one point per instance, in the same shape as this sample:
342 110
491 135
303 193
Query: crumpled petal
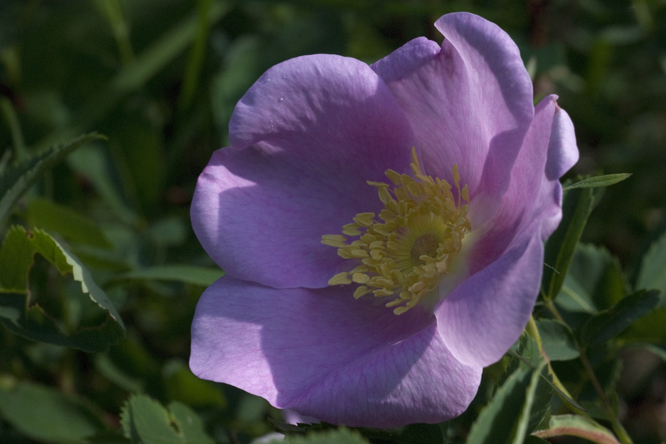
486 314
470 102
308 135
326 355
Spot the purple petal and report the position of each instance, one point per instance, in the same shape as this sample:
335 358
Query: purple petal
487 313
326 355
483 316
308 135
469 103
533 195
562 151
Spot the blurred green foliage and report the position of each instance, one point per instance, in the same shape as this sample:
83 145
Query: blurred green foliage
160 79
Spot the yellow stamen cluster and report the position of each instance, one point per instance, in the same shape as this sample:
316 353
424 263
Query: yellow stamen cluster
405 253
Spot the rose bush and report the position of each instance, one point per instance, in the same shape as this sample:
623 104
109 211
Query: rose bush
455 236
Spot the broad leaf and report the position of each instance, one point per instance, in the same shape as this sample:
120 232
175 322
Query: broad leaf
35 324
146 421
72 226
613 321
497 420
182 385
557 339
535 440
573 425
594 282
537 404
526 351
16 179
30 321
45 414
541 387
598 181
652 274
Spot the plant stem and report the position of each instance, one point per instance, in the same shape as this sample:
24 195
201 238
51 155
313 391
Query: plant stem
533 331
611 416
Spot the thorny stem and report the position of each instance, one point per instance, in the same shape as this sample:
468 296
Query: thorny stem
611 416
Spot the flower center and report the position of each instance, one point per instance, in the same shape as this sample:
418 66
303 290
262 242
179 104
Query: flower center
404 253
424 245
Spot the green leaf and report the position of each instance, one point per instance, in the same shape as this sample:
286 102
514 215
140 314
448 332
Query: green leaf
614 320
181 273
526 351
652 274
72 226
543 395
561 246
197 53
48 415
164 50
557 339
496 422
33 323
537 404
594 282
535 440
16 179
92 163
146 421
337 436
141 171
573 425
182 385
113 373
16 260
598 181
169 231
189 424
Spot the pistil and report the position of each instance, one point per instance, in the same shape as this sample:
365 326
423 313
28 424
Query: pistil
405 249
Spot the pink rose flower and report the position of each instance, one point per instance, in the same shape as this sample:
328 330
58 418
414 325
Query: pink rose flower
449 237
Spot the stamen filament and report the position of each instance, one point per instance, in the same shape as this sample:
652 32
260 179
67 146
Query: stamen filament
406 247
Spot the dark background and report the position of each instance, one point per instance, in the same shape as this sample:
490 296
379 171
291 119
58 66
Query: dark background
160 79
